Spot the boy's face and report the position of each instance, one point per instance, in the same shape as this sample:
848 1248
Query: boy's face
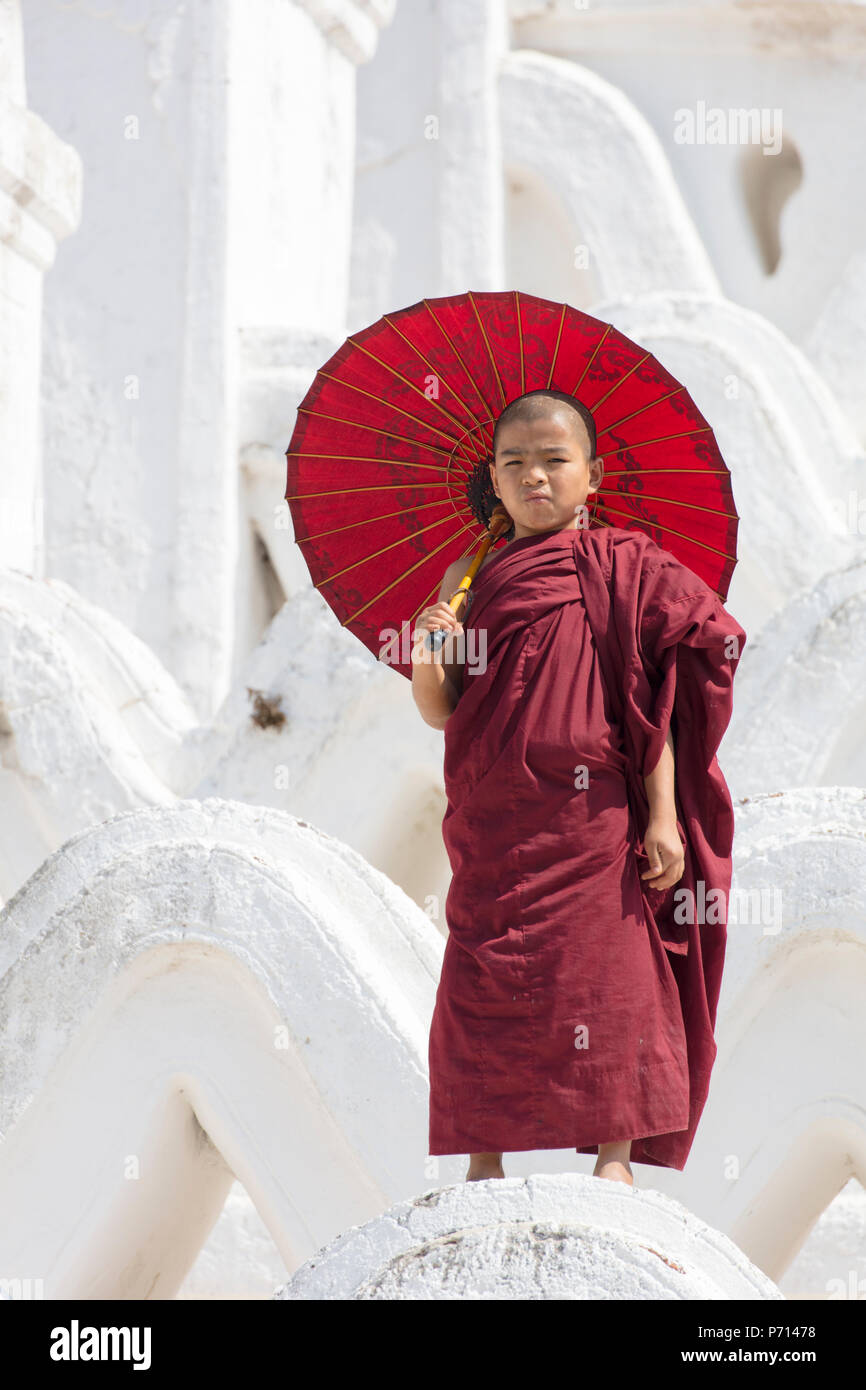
548 454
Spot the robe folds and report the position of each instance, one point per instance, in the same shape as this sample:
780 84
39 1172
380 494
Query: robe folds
576 1004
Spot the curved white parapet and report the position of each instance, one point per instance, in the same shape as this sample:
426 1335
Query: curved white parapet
832 1260
800 702
784 1127
793 456
91 723
359 762
213 990
192 993
569 128
836 344
550 1236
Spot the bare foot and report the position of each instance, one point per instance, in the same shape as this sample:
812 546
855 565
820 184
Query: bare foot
614 1169
482 1166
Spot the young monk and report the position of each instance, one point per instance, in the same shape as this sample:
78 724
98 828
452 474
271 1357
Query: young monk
574 1007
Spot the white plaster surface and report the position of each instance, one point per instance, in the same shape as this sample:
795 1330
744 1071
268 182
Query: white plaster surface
802 59
800 707
223 979
835 344
218 142
40 204
221 974
564 1236
91 724
550 106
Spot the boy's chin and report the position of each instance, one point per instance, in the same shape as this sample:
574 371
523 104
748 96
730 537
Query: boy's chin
541 528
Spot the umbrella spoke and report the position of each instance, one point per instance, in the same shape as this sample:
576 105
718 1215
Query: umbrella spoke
402 577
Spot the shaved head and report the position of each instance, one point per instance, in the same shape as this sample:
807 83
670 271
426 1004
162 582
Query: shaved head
536 404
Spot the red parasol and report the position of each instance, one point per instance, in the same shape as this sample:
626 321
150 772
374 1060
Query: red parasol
388 478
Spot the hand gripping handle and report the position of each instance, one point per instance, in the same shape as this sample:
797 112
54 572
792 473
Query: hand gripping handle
433 640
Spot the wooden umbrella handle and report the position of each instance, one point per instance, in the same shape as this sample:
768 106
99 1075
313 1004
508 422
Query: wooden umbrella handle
500 521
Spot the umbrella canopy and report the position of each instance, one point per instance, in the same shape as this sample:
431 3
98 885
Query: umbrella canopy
388 466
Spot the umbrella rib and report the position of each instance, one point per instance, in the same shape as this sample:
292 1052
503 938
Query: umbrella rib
366 520
668 502
454 349
640 410
350 385
670 531
643 472
400 577
662 439
384 487
487 345
400 463
596 351
358 425
458 424
374 555
429 364
556 348
520 342
617 384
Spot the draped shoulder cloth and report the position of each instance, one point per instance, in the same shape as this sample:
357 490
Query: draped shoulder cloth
669 650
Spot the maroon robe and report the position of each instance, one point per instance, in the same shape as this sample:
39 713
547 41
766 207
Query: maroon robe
576 1006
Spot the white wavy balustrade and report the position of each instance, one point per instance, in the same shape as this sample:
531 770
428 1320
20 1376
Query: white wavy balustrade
800 703
192 993
91 723
210 990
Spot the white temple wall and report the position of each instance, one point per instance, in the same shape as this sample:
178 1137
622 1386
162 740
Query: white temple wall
804 59
428 209
40 190
217 143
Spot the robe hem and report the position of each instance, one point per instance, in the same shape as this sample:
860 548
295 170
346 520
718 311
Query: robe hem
574 1147
644 1075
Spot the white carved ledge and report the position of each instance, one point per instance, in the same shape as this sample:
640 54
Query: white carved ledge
551 1236
216 989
